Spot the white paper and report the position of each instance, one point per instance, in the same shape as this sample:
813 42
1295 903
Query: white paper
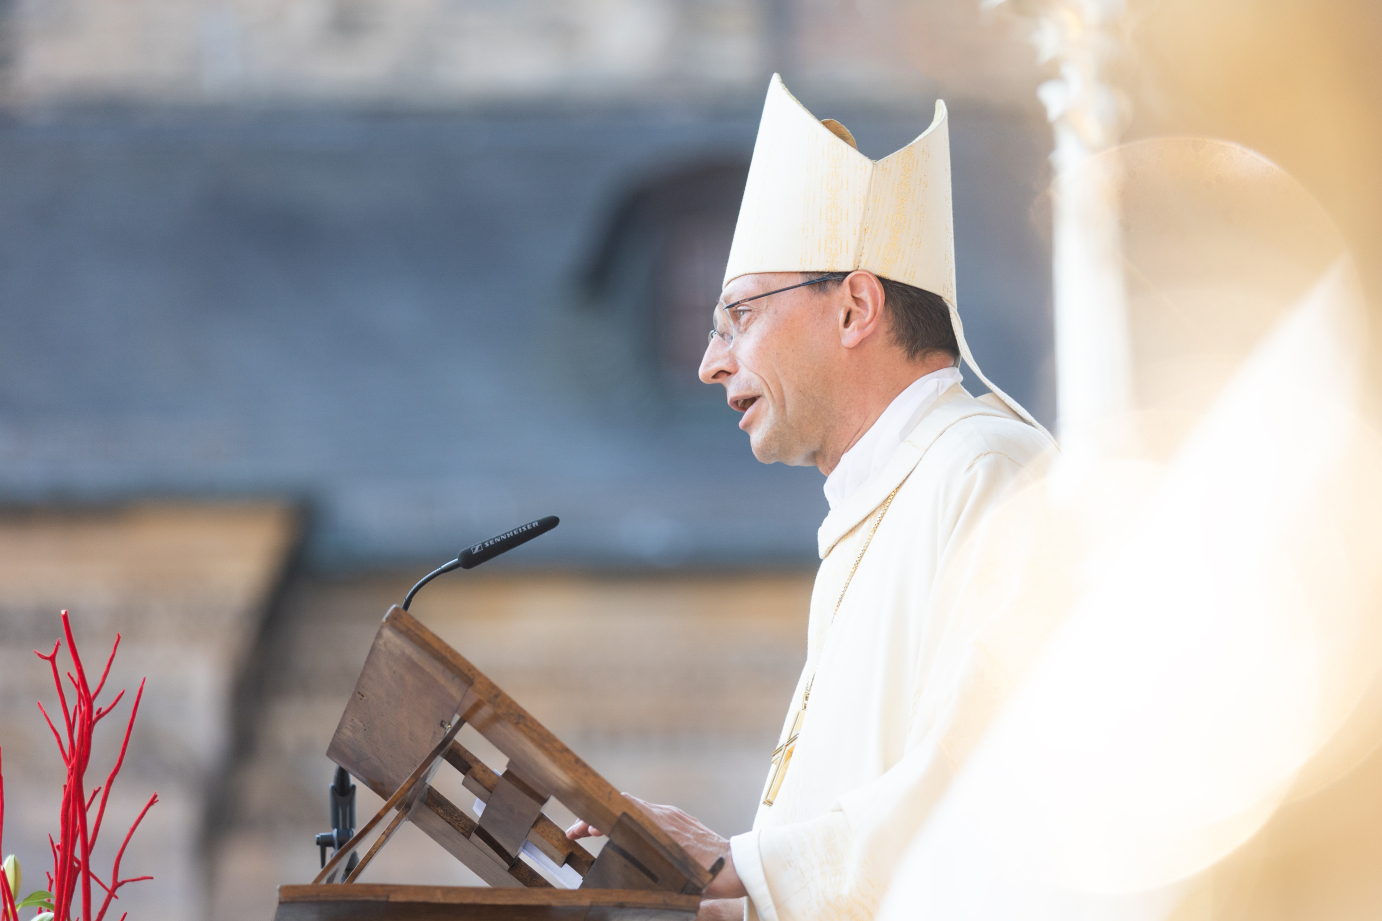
566 877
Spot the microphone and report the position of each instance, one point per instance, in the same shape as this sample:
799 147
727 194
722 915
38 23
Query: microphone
487 550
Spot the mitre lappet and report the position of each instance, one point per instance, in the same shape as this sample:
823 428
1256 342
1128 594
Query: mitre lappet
814 203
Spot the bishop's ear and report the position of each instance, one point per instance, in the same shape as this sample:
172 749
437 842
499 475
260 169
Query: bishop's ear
861 308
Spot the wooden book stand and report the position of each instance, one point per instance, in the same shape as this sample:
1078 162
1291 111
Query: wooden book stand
400 726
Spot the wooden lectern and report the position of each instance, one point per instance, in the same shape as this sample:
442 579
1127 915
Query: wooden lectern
400 726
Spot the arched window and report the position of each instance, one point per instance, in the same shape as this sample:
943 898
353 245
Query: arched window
660 262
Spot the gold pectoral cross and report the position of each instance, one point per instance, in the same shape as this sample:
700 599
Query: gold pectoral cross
782 756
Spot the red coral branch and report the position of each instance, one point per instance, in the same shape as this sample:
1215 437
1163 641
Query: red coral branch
72 651
72 873
7 907
52 659
119 855
101 713
119 762
106 673
56 737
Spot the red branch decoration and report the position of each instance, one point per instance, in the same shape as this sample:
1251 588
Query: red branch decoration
7 898
72 873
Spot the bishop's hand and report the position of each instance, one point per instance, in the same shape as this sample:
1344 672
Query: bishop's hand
700 843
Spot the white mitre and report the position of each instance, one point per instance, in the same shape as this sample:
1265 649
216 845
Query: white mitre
814 203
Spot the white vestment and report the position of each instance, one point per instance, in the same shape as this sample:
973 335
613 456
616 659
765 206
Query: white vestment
873 754
875 447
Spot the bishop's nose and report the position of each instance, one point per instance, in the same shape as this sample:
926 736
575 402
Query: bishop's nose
717 364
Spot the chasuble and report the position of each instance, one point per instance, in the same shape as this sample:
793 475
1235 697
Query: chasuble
868 756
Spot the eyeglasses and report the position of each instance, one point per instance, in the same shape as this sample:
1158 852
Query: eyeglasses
733 313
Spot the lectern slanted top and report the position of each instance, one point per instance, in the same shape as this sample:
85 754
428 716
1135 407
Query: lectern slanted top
400 724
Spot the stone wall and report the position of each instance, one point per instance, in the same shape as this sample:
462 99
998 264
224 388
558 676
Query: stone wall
384 316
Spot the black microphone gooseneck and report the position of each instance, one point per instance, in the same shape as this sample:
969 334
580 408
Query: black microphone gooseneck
487 550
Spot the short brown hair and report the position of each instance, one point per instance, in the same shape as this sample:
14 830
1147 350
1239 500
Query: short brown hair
920 319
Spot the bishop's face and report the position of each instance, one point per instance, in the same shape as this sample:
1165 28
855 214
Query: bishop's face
774 357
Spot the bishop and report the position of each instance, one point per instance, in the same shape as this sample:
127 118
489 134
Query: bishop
838 340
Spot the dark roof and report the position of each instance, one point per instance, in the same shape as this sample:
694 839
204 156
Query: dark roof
383 315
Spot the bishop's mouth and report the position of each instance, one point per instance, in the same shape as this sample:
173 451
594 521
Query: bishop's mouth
743 403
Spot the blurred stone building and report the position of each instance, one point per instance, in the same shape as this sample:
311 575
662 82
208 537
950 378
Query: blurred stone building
298 297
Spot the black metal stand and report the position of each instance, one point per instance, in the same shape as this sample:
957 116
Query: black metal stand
342 796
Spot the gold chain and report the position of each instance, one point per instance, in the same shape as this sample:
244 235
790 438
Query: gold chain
782 755
858 558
